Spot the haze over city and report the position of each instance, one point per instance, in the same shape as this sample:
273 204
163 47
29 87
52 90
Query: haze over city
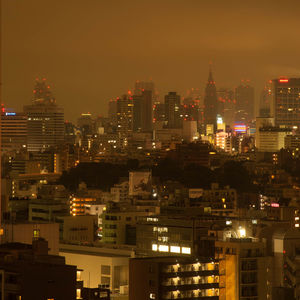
149 150
95 50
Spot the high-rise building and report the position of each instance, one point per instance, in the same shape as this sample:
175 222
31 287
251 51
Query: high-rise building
226 105
45 119
146 112
172 110
142 111
191 109
141 86
266 97
244 95
112 111
124 117
286 102
158 112
210 101
137 117
13 131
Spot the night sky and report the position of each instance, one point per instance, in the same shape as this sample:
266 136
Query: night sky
93 50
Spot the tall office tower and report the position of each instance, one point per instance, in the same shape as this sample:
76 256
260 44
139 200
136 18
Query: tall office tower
13 131
147 109
191 109
124 117
86 123
172 110
244 96
226 107
112 111
141 86
286 102
158 112
70 133
45 119
142 111
266 98
137 117
210 102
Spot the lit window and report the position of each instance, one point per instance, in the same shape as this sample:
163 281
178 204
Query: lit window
242 232
185 250
162 229
36 233
78 293
154 247
78 275
163 248
175 249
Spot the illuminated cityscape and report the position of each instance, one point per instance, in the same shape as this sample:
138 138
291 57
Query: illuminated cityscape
158 157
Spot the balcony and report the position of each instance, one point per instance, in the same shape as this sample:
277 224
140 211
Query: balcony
185 287
201 273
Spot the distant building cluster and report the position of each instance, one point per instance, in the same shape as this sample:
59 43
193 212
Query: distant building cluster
194 197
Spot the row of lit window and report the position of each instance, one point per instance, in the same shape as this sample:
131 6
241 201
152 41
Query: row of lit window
172 249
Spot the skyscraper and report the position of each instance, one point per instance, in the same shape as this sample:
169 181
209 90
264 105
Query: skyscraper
226 103
286 102
266 97
13 131
124 116
142 111
45 119
141 86
137 118
244 95
172 110
210 102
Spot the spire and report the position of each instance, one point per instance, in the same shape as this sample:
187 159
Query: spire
210 100
210 76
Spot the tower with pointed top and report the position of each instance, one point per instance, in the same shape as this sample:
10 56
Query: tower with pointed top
210 101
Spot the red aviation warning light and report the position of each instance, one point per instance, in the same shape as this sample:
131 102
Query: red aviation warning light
283 80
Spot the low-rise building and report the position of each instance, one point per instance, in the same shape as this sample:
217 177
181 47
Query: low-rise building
108 267
80 229
28 272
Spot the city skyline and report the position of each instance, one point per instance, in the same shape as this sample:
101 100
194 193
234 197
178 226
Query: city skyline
101 56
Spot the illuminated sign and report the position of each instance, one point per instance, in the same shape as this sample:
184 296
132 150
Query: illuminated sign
10 113
274 204
219 119
240 128
283 80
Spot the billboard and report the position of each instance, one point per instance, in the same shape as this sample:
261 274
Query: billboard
195 193
240 128
140 183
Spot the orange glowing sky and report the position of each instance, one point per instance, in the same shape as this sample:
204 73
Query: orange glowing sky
94 50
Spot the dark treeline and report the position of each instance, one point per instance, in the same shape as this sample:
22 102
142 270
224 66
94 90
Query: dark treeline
105 175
